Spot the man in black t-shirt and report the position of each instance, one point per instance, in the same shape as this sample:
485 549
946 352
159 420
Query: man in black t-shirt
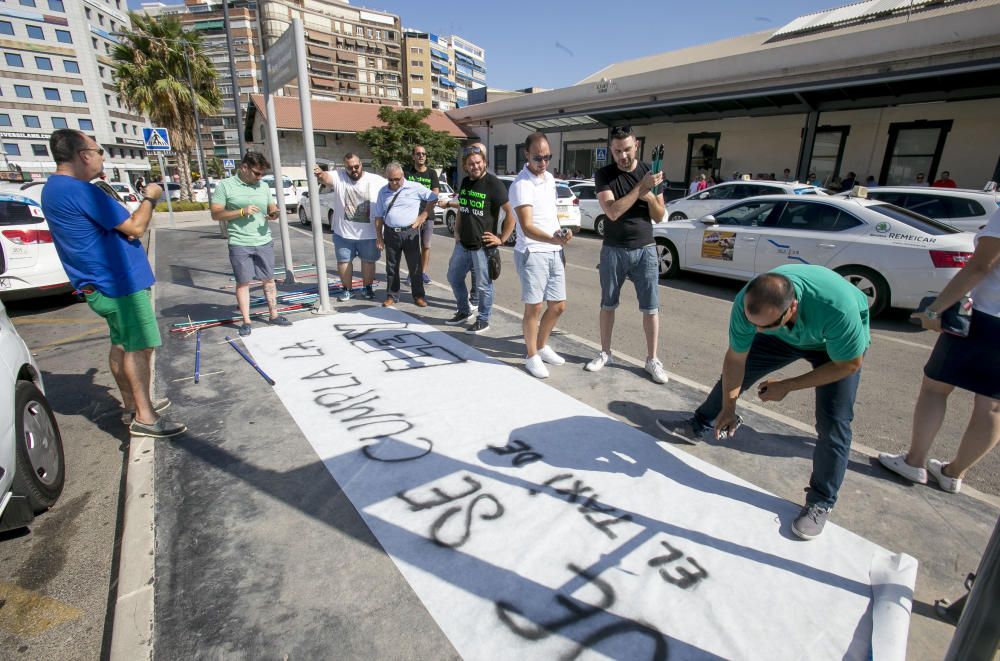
624 190
481 197
428 178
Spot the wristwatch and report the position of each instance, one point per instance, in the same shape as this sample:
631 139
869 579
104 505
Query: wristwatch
931 314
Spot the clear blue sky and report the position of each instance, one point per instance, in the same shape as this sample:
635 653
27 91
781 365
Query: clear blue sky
563 42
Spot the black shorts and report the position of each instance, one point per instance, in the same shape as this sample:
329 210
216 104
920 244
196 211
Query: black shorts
970 363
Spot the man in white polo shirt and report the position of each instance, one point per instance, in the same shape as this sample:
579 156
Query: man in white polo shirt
538 254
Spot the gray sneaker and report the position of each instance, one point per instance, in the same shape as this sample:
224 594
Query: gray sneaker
162 428
690 430
159 405
810 521
344 296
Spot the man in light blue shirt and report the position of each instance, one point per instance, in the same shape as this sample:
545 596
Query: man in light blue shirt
401 208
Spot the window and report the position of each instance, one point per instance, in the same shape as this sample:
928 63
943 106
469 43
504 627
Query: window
114 127
828 152
57 5
100 19
319 140
11 149
86 11
6 27
815 217
100 70
27 3
40 150
22 91
32 122
416 49
415 63
500 158
107 48
914 220
63 36
4 119
585 192
107 99
59 123
43 63
71 66
701 157
86 124
93 42
79 96
752 214
51 93
13 60
913 148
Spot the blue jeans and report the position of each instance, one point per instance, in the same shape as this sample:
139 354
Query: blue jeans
834 412
462 261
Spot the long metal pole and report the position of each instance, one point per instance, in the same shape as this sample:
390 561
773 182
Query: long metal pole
197 124
305 108
166 189
279 180
978 634
237 98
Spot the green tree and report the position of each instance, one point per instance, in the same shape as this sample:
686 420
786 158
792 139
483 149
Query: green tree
403 128
152 65
214 166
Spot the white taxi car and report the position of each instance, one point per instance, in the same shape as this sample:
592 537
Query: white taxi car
31 265
712 199
32 465
894 256
290 194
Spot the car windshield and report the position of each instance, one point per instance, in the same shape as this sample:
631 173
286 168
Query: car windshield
914 220
17 212
563 191
288 183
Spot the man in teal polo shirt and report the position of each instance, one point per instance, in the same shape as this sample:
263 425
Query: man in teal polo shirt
240 201
795 311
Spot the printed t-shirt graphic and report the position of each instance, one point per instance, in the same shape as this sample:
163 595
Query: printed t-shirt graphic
352 202
633 229
479 202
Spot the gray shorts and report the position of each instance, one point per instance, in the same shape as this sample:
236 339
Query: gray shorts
543 276
640 266
252 262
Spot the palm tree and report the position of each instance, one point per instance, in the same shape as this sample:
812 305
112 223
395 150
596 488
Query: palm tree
158 68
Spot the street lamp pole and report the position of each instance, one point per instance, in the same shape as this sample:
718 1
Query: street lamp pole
237 99
197 123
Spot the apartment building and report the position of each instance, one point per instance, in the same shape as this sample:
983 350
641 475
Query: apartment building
56 72
354 54
432 65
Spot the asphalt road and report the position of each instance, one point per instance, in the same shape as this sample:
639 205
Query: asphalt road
694 317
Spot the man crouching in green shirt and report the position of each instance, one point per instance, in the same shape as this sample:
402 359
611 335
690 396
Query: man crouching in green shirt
795 311
241 200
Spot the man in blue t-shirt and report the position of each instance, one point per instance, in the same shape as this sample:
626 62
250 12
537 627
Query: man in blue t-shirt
100 248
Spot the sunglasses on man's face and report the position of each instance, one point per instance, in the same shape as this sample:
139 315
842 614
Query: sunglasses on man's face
542 158
472 150
100 151
778 322
420 153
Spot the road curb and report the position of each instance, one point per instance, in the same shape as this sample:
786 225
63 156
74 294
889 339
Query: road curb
132 630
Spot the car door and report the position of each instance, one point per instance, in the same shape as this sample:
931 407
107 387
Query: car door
590 208
805 232
729 246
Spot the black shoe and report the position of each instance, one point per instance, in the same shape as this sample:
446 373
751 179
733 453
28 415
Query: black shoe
479 327
280 321
690 430
369 292
244 330
459 319
162 428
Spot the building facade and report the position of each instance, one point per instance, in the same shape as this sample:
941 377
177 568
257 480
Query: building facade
889 91
431 70
354 54
56 72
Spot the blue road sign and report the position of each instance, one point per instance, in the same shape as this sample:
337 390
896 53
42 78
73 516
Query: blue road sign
229 164
601 154
156 139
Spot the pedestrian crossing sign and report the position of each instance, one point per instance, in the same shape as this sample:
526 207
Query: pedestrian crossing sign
156 139
229 164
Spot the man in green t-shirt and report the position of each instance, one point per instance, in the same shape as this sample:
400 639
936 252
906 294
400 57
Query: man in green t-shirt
241 201
797 311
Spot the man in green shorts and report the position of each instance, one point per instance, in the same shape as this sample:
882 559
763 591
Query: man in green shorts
100 248
795 311
241 201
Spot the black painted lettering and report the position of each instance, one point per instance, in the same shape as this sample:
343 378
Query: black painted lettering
442 497
436 536
354 331
390 452
325 373
303 346
577 612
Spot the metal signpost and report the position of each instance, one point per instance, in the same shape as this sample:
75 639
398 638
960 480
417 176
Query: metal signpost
158 140
285 61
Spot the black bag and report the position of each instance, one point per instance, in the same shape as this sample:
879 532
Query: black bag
957 319
493 262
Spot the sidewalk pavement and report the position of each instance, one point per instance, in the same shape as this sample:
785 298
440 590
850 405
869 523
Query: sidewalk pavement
256 550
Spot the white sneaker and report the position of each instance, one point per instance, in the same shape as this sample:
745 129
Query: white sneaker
897 464
596 364
536 367
655 369
949 484
549 356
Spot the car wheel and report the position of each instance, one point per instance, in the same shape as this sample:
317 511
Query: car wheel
667 261
677 215
40 471
599 225
871 284
449 221
304 217
512 239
